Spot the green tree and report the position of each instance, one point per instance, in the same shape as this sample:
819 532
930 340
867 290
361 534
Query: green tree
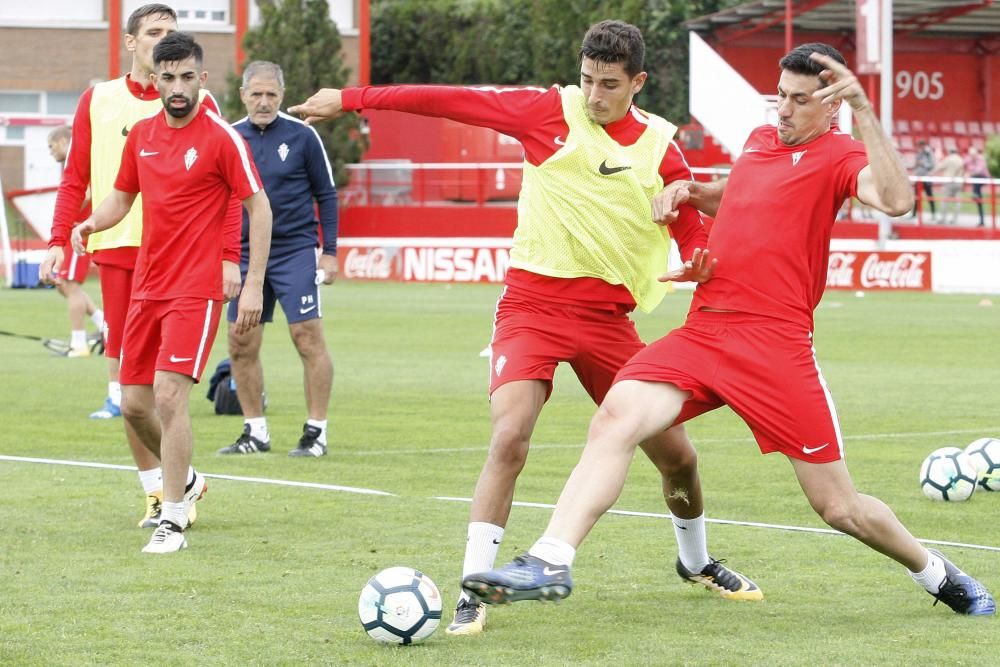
992 154
299 36
533 42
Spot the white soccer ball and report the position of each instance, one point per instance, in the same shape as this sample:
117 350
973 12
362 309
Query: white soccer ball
948 474
985 456
400 605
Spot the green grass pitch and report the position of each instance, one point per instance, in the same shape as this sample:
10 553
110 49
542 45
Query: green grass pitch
273 571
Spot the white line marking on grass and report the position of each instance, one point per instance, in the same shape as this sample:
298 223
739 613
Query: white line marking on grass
752 524
234 478
375 492
697 441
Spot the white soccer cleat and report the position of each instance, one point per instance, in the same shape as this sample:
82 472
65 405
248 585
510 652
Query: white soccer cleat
167 538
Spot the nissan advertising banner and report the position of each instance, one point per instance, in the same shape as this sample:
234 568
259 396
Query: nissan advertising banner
475 260
462 260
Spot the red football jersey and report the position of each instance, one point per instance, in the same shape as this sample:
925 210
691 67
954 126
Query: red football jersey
186 177
772 232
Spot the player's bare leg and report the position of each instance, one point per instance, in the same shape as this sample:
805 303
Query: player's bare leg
514 409
181 486
142 432
78 305
632 412
247 371
831 493
318 380
677 461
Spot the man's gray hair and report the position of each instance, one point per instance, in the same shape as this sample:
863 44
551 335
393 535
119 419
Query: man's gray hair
263 68
61 132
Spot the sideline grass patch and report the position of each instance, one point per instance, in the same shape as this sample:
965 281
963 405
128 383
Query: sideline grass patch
273 572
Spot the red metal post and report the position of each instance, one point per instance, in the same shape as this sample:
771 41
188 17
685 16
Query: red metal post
241 21
114 38
364 43
873 91
789 15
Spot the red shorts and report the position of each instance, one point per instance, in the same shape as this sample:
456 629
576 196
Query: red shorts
116 292
74 267
764 369
531 337
174 335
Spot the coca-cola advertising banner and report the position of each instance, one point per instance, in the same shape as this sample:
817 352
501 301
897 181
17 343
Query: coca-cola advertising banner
425 261
853 270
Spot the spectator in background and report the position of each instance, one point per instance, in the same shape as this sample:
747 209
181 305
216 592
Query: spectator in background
953 167
71 277
975 167
924 167
295 171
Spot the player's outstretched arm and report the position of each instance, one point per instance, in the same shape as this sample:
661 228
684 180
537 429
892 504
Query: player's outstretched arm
111 211
883 183
251 303
323 105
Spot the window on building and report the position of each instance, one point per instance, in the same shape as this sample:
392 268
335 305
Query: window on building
341 12
47 11
15 133
61 102
18 102
202 11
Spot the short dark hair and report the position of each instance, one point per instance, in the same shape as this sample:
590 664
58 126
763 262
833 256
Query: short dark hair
136 17
175 47
797 61
615 42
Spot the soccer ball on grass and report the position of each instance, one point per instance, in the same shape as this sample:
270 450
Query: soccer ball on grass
985 456
948 474
400 605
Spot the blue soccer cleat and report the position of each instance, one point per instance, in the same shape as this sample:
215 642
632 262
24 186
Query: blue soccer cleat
524 578
108 411
962 593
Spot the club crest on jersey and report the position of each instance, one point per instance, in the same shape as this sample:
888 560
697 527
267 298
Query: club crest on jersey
283 151
797 156
501 362
189 158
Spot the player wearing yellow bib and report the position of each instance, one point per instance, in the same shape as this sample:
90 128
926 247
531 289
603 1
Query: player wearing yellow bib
586 252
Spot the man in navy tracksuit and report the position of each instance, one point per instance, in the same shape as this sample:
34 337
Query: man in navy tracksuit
295 170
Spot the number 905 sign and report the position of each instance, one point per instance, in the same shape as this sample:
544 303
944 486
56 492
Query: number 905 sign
921 85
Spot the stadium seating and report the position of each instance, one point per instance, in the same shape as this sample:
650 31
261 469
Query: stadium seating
941 135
